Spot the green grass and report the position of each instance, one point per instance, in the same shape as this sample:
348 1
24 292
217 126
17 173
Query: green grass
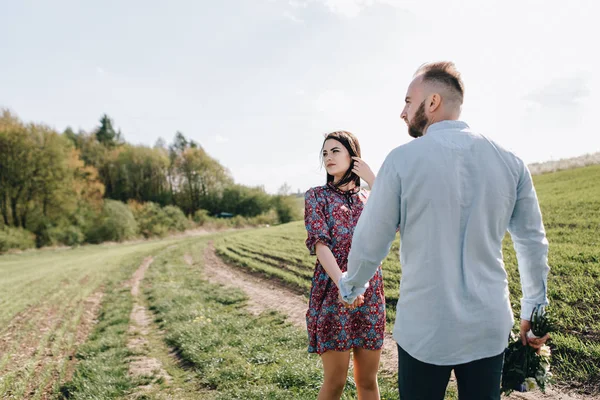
101 372
279 252
222 351
102 369
225 352
570 203
236 355
42 302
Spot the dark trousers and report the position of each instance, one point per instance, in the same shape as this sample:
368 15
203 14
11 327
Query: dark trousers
477 380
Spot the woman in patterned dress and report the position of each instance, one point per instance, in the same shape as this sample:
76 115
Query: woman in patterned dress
334 328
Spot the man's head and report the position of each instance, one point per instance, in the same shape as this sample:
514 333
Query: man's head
435 94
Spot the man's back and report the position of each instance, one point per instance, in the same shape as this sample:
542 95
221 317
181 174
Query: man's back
457 194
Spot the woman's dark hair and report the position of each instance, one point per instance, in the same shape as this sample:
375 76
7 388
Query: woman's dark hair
350 142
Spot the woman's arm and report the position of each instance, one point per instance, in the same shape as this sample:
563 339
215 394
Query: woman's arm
363 170
328 262
330 265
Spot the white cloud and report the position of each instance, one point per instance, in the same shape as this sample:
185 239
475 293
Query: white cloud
298 4
561 92
292 17
352 8
345 8
221 139
332 101
100 71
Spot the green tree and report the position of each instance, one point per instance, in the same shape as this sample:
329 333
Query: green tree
115 223
35 171
44 185
196 179
106 133
286 208
71 135
138 173
246 201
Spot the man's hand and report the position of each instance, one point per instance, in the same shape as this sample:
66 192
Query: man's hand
536 343
359 301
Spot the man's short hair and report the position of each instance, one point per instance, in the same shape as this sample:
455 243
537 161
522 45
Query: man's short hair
444 73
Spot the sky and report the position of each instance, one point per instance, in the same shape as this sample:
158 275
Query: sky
259 82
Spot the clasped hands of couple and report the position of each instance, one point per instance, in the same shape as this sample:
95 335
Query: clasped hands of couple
359 301
525 327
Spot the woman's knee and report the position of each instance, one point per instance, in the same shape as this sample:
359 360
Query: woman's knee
335 381
366 381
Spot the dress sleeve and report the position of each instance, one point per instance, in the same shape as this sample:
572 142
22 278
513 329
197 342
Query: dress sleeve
315 222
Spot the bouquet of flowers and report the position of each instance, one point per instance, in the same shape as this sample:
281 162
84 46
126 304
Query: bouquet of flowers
526 368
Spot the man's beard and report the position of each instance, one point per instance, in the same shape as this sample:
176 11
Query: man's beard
417 125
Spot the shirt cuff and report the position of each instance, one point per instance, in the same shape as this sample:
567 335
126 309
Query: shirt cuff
348 292
527 308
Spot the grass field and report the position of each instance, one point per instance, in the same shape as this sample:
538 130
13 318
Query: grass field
570 202
65 314
45 299
233 353
208 344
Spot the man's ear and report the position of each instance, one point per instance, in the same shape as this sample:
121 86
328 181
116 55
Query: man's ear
434 102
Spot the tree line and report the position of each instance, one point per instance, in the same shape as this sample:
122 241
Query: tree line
65 187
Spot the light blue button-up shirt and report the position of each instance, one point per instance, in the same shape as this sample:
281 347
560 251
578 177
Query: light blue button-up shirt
453 194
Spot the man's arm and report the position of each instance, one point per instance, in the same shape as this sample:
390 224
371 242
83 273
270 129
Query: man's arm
374 232
529 237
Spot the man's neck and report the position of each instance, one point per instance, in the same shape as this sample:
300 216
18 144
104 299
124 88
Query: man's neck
441 118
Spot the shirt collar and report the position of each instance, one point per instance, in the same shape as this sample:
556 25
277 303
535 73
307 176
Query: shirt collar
447 125
354 190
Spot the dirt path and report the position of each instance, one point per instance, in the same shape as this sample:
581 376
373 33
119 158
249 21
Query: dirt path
551 395
140 365
268 295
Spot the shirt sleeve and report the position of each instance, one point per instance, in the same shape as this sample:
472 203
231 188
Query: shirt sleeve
529 237
374 233
314 219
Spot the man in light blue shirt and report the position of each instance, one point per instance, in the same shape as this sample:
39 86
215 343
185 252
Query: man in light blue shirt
453 194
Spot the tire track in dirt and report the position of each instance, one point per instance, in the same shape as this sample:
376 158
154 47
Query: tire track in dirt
139 328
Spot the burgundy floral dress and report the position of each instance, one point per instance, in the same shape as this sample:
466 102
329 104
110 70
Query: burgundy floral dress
330 216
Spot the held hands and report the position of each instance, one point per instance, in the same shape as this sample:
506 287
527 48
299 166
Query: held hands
534 342
363 170
360 300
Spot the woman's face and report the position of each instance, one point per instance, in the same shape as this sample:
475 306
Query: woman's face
336 158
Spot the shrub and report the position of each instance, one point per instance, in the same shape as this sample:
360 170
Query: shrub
15 238
115 223
201 217
156 221
176 218
286 208
268 218
68 235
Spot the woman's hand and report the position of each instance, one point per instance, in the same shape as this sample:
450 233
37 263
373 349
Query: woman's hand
363 170
359 301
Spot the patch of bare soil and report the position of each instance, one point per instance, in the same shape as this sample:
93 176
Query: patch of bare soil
141 365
